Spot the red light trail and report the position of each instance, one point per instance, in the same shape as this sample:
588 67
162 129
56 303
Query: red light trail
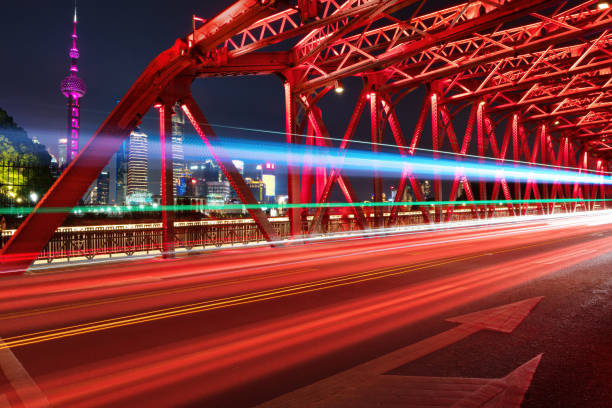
395 282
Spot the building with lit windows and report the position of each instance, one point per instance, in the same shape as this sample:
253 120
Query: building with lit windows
119 175
268 171
178 154
258 189
217 192
102 188
62 146
138 166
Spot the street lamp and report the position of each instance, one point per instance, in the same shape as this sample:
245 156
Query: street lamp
338 87
602 5
33 197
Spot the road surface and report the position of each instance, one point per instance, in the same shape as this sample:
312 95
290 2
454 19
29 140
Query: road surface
394 320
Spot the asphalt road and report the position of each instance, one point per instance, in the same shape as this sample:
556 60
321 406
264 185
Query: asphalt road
243 327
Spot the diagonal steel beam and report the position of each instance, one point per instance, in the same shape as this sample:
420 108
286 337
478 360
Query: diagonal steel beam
203 128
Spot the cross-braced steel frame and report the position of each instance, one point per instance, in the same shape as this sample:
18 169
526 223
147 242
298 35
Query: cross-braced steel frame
533 78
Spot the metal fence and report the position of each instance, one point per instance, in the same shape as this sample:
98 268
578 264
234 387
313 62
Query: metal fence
87 242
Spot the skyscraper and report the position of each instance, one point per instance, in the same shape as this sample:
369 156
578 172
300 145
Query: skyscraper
138 166
268 171
119 173
62 145
102 187
178 154
74 89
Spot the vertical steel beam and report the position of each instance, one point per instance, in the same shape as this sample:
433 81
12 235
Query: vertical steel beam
544 160
307 167
602 186
481 151
587 188
435 137
516 157
603 169
293 171
376 141
541 140
565 162
578 191
320 172
167 180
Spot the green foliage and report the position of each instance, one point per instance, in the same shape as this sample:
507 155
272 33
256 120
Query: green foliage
24 165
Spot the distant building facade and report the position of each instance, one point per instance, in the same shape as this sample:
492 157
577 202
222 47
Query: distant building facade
217 192
62 146
103 188
137 167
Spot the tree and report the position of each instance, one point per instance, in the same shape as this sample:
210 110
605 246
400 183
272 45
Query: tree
24 165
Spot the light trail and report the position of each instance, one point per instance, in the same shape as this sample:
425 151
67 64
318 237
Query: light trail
389 145
364 162
597 218
302 288
198 147
284 206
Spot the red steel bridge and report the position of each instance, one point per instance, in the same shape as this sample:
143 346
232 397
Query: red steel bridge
533 77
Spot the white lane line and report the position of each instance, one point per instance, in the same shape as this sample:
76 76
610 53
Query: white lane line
31 396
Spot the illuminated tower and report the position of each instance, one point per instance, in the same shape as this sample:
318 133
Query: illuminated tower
73 88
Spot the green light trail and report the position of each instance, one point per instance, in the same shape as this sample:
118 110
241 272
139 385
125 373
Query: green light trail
225 207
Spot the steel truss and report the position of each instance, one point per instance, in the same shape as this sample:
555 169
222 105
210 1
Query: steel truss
532 77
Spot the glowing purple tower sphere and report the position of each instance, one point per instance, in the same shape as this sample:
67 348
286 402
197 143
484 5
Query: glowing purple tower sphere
74 89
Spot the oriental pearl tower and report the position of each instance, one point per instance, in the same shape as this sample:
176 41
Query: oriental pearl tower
73 88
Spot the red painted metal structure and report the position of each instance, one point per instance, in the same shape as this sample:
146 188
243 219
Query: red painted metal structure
536 71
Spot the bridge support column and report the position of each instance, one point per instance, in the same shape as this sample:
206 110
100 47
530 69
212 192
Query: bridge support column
545 160
435 135
516 157
376 141
167 180
293 171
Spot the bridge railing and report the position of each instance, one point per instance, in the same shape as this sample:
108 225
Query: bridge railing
88 242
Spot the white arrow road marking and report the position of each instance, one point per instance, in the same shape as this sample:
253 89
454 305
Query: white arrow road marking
31 396
428 392
367 386
507 392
